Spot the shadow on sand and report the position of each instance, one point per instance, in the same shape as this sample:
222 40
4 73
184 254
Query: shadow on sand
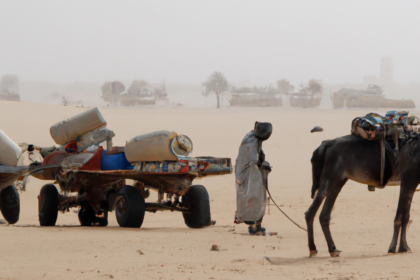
112 228
326 259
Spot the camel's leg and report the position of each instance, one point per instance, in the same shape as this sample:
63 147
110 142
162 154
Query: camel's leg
407 190
325 216
397 226
309 216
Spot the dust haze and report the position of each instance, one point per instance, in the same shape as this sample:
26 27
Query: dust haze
71 48
183 66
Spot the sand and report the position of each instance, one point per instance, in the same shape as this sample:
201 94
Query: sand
362 221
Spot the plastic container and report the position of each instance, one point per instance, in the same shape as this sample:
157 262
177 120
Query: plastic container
94 137
160 145
154 146
115 162
69 129
181 146
9 150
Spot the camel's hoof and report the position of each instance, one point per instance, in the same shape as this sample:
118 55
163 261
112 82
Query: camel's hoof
335 253
404 251
313 253
391 251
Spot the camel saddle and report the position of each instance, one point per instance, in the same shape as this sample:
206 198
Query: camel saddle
388 130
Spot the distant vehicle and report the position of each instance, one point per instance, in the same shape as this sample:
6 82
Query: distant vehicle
111 91
372 97
308 96
304 100
255 100
136 95
133 100
9 88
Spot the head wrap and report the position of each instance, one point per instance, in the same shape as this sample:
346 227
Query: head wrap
263 130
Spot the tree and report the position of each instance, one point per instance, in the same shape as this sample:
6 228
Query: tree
217 84
138 87
284 86
315 86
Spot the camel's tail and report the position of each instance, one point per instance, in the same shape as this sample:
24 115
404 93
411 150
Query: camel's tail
317 161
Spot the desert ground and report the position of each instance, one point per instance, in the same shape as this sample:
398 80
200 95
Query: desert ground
362 222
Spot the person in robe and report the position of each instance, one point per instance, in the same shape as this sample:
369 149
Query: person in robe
251 172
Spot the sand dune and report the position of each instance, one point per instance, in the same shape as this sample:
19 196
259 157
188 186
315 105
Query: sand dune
361 222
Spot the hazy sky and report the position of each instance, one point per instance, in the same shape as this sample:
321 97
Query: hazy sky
184 41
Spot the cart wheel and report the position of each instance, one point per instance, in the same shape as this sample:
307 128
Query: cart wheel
47 205
198 202
130 208
86 215
10 204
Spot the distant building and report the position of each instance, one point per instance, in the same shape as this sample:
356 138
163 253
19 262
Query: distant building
385 74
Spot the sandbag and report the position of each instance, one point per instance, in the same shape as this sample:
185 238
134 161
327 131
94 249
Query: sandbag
73 127
9 150
160 145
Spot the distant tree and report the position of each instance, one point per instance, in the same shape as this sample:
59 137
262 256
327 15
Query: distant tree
284 86
138 87
217 84
315 86
302 89
269 90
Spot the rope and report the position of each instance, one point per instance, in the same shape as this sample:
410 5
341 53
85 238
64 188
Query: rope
302 228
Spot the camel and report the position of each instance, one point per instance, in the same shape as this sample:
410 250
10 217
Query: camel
354 158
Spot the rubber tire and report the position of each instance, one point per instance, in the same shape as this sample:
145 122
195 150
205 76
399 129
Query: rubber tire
86 215
197 200
130 208
48 204
10 204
